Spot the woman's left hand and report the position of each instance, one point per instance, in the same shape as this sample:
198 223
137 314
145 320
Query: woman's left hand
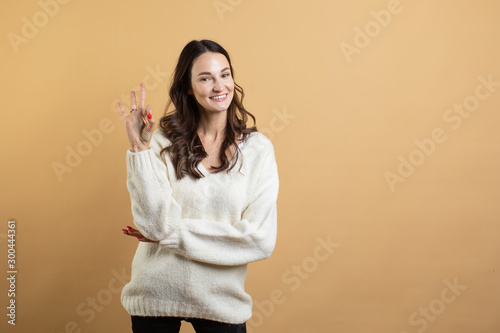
136 233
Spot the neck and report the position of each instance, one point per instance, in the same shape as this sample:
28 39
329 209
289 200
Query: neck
212 126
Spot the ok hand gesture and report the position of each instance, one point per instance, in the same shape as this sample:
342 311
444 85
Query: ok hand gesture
139 123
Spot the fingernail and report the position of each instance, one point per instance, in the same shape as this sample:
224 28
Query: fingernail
139 237
129 227
124 230
150 115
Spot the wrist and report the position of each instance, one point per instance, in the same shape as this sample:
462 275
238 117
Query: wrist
138 149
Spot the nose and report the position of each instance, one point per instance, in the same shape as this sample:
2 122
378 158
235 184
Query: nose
217 85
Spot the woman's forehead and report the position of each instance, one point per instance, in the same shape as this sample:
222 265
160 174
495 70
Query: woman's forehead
210 62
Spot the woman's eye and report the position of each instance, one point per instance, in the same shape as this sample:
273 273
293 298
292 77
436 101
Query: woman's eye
205 79
226 75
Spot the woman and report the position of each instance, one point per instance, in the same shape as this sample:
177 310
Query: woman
203 189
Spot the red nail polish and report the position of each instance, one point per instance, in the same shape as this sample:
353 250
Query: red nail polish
129 227
150 115
140 237
124 230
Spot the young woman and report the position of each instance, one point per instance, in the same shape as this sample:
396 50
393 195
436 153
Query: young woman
204 191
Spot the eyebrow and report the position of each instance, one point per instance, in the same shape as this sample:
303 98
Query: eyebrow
208 73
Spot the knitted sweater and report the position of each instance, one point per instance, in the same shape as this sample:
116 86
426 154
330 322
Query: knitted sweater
208 230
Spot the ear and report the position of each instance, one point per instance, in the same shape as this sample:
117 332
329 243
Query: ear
190 92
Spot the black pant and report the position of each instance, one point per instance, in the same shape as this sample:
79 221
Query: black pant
173 325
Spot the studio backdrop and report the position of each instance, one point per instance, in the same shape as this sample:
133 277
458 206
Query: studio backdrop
384 116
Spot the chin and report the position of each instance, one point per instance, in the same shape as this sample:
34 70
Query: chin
220 108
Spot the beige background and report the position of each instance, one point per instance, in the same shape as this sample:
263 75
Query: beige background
343 109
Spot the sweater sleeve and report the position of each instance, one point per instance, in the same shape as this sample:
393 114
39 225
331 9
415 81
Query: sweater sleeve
159 217
153 206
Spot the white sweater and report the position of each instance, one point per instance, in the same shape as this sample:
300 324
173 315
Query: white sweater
208 231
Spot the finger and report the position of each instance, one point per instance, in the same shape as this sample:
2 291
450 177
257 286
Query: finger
150 120
126 232
145 240
134 234
142 96
122 111
130 231
133 103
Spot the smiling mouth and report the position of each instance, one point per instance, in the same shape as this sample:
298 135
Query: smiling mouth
218 97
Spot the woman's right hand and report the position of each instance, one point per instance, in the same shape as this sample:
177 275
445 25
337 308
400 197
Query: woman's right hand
139 123
136 233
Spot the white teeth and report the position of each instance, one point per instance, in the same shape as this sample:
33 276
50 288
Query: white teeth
219 97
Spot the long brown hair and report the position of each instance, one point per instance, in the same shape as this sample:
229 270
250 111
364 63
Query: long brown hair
180 124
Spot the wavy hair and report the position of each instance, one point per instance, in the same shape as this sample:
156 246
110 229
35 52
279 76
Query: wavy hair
180 124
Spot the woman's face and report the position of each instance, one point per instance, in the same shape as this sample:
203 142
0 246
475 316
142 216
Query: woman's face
212 82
